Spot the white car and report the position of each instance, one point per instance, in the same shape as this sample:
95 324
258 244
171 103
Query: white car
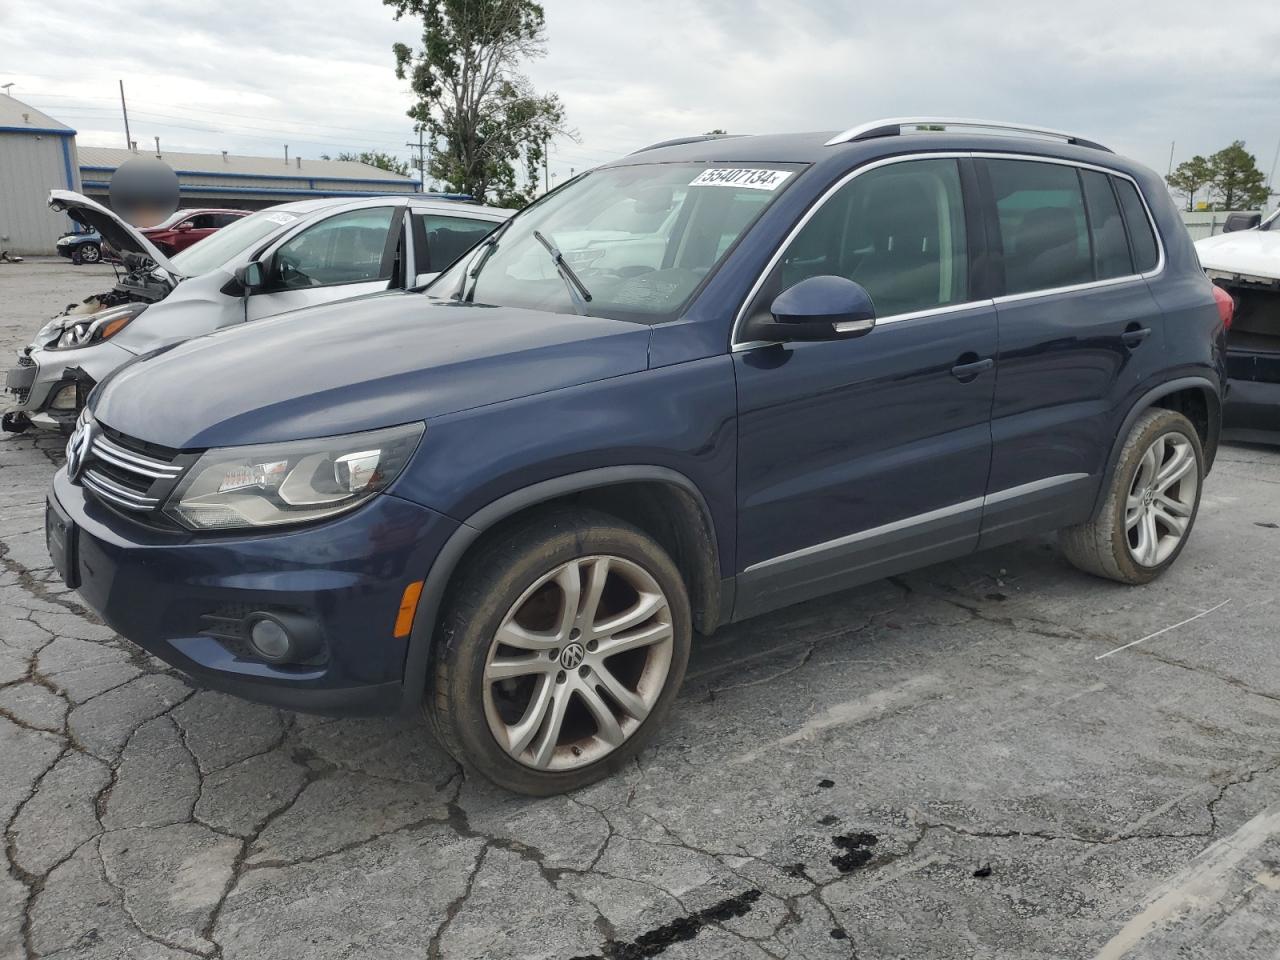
284 258
1246 264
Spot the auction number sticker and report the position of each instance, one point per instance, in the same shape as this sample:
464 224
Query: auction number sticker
741 177
281 218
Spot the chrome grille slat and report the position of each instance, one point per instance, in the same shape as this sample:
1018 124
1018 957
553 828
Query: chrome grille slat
116 493
135 462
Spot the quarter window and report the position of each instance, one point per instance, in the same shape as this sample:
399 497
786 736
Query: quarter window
898 230
347 248
1110 248
1145 252
1043 230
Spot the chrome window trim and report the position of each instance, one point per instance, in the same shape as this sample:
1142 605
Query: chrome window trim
735 345
954 509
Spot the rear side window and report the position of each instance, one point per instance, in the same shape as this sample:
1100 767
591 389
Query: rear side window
1145 252
898 230
1110 248
447 238
1043 228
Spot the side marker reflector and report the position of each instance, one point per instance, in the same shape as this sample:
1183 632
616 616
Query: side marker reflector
408 607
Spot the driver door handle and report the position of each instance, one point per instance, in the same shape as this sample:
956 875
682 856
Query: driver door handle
967 369
1134 335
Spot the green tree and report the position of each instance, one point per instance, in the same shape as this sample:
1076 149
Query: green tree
717 132
471 97
1237 182
1190 177
376 158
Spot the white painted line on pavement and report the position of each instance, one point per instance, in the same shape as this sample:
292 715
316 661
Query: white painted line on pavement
1152 636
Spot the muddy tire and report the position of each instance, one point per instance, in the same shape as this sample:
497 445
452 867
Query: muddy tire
560 651
1148 508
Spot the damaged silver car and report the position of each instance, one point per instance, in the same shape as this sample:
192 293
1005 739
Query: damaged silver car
284 258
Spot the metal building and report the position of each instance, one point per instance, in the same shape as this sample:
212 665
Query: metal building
37 153
246 183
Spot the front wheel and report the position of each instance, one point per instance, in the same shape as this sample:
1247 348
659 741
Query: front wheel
560 653
1150 505
90 253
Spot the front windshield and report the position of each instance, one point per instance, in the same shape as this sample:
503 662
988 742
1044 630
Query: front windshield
639 238
217 248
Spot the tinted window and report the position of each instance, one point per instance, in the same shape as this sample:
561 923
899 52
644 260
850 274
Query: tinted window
1143 241
898 230
347 248
448 238
1042 225
204 221
222 219
1110 248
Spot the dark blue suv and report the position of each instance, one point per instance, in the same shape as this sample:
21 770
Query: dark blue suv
711 379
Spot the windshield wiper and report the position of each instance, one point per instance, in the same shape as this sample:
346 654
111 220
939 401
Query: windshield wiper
578 291
490 243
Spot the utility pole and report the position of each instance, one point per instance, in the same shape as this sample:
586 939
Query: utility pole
286 154
421 147
128 141
546 178
1172 143
1271 176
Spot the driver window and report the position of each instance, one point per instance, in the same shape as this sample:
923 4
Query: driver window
898 230
347 248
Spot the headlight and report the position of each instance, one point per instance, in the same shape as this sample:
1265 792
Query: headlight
83 331
273 483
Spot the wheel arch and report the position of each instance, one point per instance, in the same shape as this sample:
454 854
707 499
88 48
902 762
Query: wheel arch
660 501
1197 398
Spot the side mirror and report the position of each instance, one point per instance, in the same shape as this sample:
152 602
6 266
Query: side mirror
819 308
252 276
1241 221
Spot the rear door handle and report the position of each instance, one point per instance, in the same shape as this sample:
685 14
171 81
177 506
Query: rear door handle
969 369
1134 335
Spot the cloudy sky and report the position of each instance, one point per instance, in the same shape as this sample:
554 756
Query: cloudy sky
250 77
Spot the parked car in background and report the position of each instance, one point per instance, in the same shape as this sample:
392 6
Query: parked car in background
85 247
1245 264
280 259
823 360
187 227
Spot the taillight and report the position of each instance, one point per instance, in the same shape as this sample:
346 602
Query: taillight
1226 306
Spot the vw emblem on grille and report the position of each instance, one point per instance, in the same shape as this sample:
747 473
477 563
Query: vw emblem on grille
572 656
78 450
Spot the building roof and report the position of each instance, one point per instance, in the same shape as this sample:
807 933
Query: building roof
214 164
16 114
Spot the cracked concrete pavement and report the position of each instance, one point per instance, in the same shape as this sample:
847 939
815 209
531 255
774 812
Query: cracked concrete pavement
940 765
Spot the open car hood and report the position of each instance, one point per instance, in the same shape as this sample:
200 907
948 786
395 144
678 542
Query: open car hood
122 236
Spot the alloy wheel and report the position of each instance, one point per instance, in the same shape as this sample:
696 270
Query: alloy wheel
90 254
578 663
1161 500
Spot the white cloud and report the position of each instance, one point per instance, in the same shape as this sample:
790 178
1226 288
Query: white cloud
250 77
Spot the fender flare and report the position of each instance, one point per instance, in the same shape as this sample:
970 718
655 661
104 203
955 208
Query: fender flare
470 530
1144 403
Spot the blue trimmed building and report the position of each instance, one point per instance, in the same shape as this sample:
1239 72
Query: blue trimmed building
246 183
37 153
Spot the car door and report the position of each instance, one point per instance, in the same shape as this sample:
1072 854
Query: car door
865 457
439 240
345 255
1077 326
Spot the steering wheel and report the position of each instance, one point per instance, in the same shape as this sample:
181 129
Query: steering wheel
292 276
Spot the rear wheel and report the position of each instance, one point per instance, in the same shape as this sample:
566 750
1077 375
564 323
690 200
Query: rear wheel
1150 505
90 253
560 653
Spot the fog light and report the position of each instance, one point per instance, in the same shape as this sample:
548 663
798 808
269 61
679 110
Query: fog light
65 398
270 640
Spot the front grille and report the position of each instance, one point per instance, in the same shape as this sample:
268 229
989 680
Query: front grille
20 395
118 471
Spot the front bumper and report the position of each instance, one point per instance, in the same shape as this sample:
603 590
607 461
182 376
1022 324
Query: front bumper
53 369
166 591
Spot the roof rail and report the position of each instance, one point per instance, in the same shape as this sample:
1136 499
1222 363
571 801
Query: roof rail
681 140
897 125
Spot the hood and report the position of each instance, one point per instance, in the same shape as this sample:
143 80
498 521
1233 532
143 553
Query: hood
358 365
122 236
1255 253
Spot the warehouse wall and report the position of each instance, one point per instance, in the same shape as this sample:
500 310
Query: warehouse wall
30 165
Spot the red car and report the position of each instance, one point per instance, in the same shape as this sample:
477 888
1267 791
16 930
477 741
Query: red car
185 227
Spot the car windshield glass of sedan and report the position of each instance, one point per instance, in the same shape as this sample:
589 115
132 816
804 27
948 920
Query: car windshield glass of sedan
638 239
216 249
